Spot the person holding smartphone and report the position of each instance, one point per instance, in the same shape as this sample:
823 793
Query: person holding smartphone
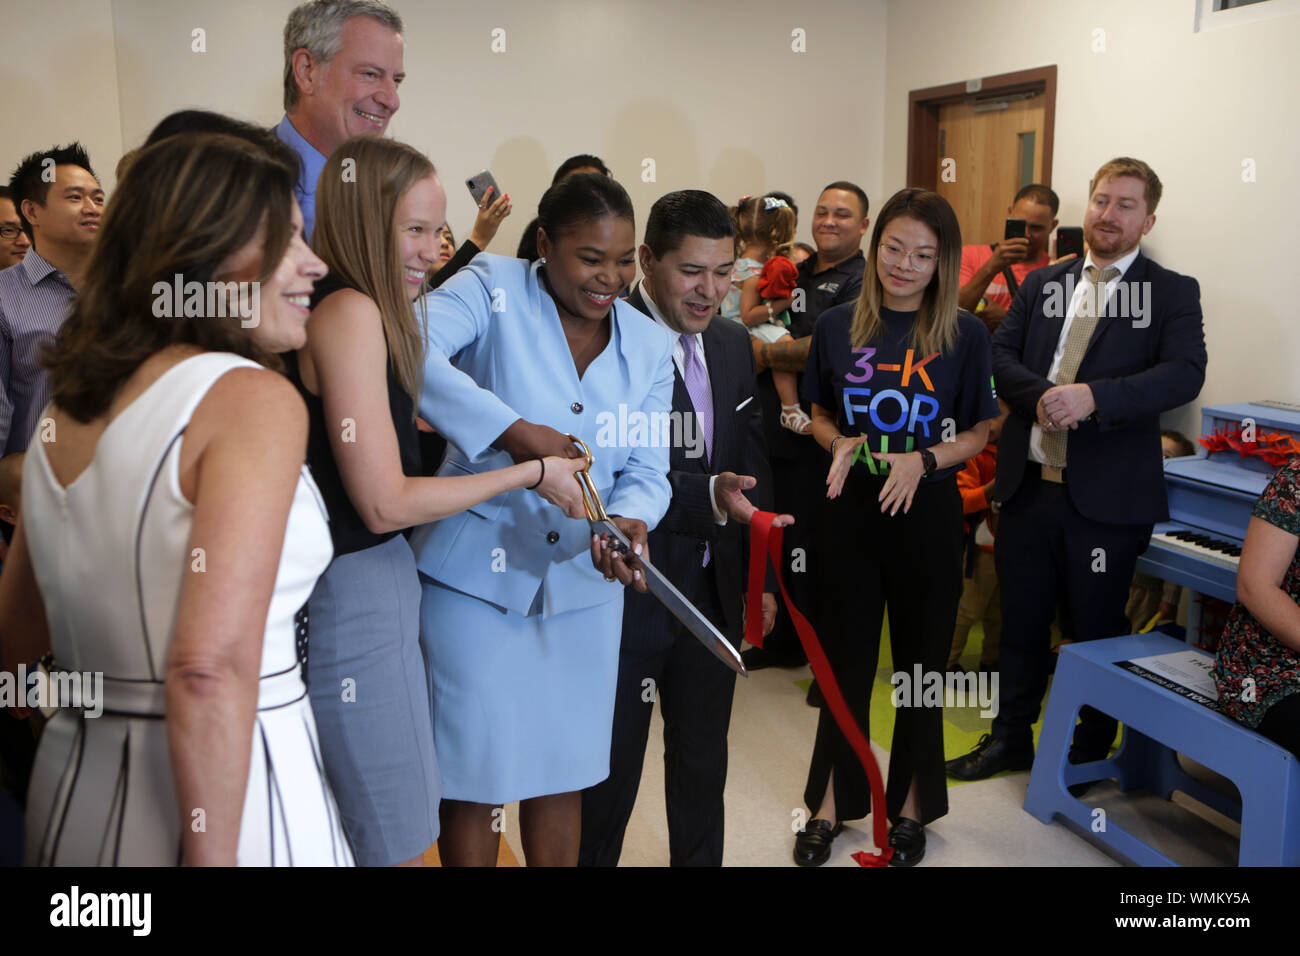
493 208
900 385
985 288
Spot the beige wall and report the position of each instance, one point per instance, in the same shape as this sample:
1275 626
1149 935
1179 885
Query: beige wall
711 92
59 77
714 95
1193 106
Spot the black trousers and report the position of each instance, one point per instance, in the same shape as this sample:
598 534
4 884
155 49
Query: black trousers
910 563
661 659
1281 723
797 485
1048 557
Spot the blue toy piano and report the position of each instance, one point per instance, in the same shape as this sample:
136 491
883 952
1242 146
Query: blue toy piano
1210 500
1211 497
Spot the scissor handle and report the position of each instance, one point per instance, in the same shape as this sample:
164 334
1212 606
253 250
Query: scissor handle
590 496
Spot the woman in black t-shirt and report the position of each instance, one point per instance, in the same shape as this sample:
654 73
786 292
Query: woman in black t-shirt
901 389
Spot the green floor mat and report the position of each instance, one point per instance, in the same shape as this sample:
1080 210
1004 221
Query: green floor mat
962 726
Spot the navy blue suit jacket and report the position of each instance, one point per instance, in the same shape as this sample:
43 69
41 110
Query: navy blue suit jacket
677 543
1137 365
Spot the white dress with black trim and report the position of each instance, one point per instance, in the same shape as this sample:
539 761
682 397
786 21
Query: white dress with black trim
110 552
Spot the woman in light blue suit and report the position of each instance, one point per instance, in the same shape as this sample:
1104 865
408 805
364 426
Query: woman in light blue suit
522 607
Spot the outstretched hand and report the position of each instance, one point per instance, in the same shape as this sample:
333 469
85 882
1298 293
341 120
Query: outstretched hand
730 501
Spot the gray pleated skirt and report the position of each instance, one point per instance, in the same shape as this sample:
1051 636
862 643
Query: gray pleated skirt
370 698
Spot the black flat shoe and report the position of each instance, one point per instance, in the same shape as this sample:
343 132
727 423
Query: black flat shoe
990 756
812 847
814 697
907 837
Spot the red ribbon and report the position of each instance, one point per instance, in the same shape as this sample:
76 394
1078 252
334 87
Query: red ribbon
765 542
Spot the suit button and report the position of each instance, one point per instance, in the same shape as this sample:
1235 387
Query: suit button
576 408
701 546
552 537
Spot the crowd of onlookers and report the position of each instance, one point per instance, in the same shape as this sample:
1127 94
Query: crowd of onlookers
356 541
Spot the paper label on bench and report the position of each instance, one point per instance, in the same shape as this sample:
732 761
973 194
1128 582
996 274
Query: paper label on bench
1187 673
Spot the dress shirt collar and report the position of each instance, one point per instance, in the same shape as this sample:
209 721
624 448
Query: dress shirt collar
36 268
1121 264
658 317
848 266
313 161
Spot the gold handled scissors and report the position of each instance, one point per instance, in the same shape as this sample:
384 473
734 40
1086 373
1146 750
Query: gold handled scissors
660 587
590 496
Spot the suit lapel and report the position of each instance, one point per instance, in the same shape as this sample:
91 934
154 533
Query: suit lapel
1052 324
637 301
715 354
715 358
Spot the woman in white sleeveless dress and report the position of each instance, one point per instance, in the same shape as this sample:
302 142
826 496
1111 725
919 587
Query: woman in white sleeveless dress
170 532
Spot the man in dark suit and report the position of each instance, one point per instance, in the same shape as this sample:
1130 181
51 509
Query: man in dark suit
1088 357
717 454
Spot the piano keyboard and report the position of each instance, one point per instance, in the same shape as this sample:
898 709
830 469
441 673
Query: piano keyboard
1226 554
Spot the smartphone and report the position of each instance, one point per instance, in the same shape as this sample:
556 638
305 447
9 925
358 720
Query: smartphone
480 184
1015 229
1069 239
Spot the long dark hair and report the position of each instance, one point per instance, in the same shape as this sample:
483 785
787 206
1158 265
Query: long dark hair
184 207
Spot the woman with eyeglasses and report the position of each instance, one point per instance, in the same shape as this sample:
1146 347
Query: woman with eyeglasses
902 394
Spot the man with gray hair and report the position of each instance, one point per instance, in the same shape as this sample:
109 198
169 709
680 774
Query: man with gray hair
342 67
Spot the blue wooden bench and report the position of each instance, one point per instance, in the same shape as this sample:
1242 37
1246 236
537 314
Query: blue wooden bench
1158 725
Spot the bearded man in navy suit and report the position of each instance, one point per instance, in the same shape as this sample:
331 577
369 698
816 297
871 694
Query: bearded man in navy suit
717 458
1089 356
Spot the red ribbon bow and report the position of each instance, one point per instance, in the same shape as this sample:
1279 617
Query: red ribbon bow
765 542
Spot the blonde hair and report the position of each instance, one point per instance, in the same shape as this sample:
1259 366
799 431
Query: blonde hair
356 236
935 328
1128 166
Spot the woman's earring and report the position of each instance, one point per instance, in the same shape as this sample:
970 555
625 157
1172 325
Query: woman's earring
542 260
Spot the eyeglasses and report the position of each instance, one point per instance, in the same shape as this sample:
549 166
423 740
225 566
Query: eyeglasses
9 232
892 255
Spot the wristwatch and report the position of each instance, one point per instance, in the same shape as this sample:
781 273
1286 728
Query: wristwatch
927 458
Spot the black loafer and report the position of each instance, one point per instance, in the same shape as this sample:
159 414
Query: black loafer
990 756
812 847
907 837
814 697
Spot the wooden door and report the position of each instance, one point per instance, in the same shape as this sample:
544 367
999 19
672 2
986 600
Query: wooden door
995 152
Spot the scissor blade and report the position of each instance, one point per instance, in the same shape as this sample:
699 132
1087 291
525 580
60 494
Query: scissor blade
677 604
